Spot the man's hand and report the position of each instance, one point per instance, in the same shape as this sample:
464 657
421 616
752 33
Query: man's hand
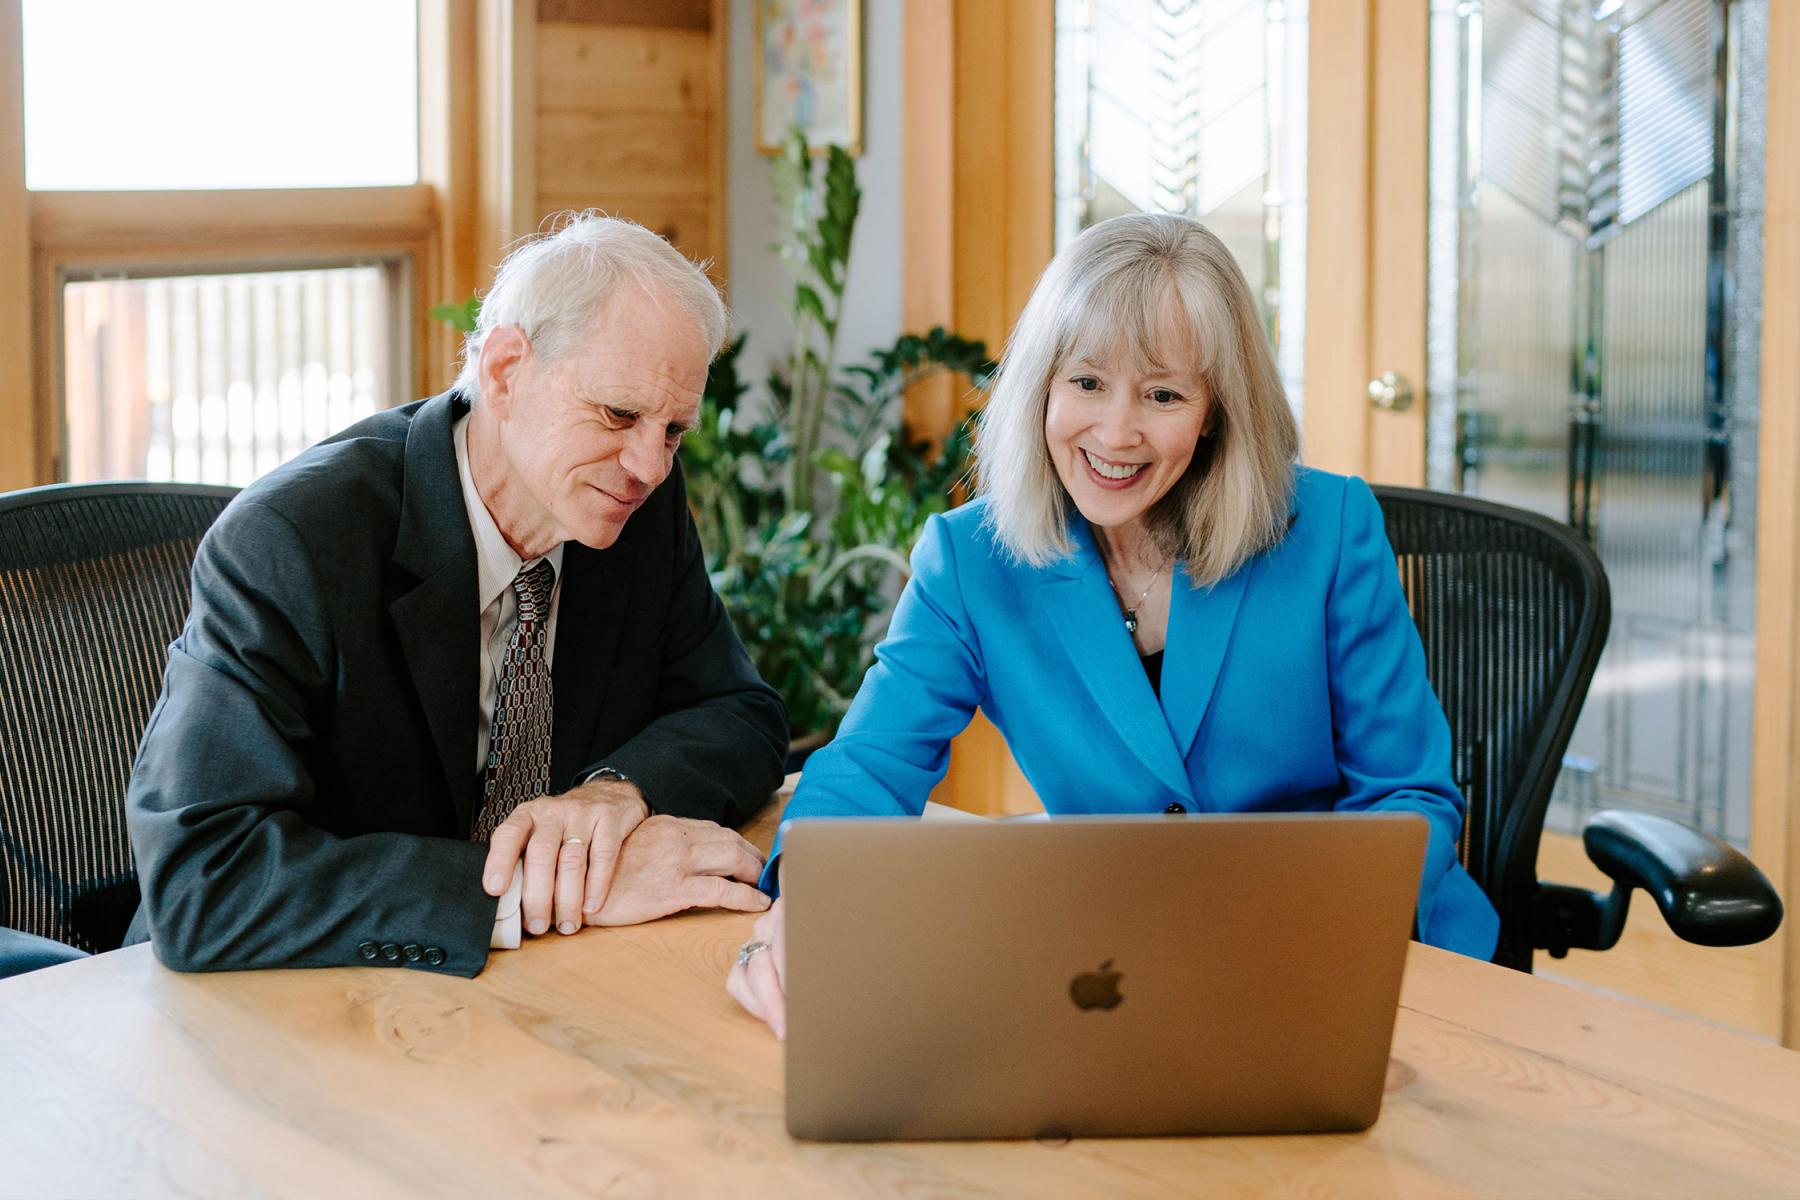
672 863
570 844
761 984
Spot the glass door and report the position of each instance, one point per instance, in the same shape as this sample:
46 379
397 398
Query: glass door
1594 305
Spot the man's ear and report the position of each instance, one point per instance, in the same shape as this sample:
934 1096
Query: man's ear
503 352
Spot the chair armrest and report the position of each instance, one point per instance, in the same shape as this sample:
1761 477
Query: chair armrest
1707 892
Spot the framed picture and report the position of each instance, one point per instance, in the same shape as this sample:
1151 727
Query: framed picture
809 72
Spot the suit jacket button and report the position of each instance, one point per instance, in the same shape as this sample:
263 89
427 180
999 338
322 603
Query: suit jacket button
390 951
368 950
413 953
434 956
1173 808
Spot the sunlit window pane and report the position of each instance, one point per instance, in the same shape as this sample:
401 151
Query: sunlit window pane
221 378
138 94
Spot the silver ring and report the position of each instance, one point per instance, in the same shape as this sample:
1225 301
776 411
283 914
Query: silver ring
750 950
574 841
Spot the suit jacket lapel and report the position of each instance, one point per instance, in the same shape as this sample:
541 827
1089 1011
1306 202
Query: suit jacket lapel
590 617
1087 619
434 615
1200 624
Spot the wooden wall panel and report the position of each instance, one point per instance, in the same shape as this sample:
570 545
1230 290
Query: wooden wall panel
601 69
630 121
685 220
665 14
602 153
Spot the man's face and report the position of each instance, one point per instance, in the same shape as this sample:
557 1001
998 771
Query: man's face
588 436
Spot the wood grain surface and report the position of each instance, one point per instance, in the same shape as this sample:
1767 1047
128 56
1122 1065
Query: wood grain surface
613 1064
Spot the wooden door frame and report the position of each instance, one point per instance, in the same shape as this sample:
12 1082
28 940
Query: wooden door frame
978 203
18 412
1775 742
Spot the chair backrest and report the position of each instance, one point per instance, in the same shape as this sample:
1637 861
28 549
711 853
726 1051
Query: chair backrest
1513 609
93 588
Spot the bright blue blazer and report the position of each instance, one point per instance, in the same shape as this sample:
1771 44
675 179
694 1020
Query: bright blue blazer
1295 685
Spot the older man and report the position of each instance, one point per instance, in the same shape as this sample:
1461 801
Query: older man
459 669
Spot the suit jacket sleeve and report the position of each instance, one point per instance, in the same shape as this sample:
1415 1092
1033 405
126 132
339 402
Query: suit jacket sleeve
235 872
894 744
1393 743
717 740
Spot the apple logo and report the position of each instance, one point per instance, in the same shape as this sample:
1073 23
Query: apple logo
1096 989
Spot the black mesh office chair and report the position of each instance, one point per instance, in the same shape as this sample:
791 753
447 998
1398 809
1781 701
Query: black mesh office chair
93 588
1513 609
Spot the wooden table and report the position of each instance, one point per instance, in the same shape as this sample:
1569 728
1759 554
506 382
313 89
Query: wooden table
614 1064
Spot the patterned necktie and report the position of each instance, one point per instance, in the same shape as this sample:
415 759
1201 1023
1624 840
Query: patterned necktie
518 758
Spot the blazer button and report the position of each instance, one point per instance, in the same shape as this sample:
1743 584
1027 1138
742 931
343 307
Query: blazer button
390 951
368 950
434 956
1173 808
413 953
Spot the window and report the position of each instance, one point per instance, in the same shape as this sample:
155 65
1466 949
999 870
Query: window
220 378
231 245
123 94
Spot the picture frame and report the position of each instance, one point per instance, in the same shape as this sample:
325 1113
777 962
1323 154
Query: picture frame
809 72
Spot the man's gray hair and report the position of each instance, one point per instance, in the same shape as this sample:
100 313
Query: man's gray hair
552 284
1112 294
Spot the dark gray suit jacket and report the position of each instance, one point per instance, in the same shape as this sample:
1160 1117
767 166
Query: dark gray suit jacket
306 785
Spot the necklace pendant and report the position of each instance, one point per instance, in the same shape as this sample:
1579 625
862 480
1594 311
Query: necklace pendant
1131 620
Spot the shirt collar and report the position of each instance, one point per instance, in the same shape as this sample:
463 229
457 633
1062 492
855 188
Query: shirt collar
496 564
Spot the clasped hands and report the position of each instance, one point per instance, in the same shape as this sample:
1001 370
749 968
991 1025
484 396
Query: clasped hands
595 856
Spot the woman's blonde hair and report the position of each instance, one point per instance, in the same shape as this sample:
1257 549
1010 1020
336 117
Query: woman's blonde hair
1111 295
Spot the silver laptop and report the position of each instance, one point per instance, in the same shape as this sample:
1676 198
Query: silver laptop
1094 976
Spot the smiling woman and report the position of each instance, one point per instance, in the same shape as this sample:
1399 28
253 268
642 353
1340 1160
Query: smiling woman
1140 349
1160 610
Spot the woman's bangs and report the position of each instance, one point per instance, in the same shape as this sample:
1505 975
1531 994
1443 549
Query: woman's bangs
1137 319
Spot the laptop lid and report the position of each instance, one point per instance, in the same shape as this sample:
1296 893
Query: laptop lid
1094 976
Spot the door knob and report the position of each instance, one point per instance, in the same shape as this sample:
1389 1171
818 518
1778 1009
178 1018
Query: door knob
1391 392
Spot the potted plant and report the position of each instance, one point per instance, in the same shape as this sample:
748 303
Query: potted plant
810 493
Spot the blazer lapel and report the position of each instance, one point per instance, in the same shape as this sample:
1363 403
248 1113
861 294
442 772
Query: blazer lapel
1086 617
590 617
1200 624
435 619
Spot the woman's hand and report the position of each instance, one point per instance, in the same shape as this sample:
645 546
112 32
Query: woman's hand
758 984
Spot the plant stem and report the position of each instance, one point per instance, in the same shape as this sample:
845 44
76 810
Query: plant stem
868 550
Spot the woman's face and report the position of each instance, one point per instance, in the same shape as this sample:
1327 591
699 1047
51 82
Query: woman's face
1122 434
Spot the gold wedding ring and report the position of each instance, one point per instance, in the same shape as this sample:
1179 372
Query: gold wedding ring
574 841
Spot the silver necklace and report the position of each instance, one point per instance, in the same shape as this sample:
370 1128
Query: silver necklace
1131 621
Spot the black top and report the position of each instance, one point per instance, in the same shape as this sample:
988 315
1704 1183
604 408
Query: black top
1153 668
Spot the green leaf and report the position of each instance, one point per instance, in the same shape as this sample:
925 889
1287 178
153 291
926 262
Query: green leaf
461 316
807 301
836 462
826 268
